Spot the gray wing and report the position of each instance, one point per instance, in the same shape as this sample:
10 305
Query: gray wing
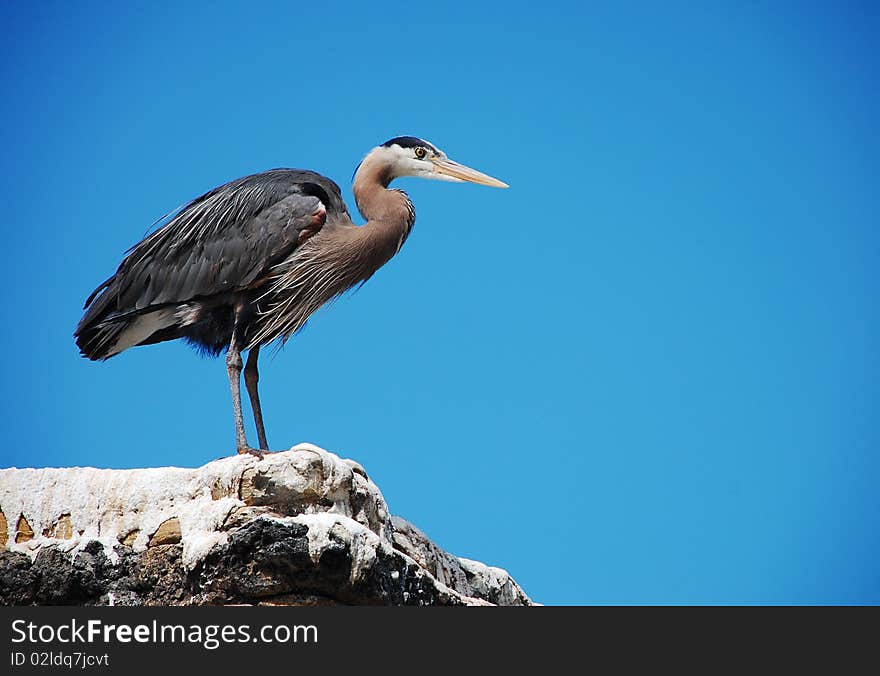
222 241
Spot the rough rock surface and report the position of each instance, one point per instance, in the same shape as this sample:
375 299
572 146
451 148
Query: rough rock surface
301 527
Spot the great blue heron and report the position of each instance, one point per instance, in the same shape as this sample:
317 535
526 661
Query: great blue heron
247 263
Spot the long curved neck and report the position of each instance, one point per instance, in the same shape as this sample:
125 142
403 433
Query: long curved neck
389 213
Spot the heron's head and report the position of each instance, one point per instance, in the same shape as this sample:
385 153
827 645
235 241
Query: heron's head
411 156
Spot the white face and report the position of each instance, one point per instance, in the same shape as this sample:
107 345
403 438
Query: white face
413 161
424 161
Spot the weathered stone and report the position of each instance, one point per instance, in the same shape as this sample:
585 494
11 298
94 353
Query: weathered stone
493 584
129 538
313 481
299 600
218 490
63 530
242 515
23 530
168 533
4 532
415 544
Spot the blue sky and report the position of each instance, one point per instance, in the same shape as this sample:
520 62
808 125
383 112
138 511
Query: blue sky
646 373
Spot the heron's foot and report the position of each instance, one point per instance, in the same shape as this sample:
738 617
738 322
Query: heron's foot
247 450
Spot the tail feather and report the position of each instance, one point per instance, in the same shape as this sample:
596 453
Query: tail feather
98 340
107 329
93 340
97 329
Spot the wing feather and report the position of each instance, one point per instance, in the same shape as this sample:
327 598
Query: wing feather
222 241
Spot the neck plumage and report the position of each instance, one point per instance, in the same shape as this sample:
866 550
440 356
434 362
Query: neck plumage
389 213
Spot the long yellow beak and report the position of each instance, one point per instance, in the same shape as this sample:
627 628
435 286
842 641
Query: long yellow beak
458 171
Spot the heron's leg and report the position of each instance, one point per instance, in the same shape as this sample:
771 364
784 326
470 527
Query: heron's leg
251 378
233 368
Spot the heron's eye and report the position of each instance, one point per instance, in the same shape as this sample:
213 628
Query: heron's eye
421 152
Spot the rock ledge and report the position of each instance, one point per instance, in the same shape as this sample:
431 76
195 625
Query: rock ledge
300 527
